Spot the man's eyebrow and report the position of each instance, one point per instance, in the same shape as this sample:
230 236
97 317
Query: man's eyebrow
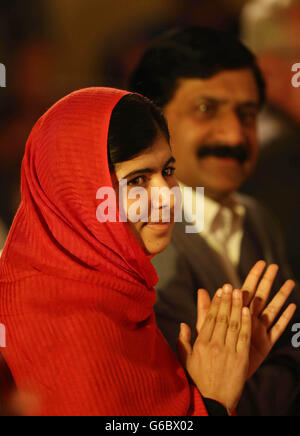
211 99
250 104
215 100
172 160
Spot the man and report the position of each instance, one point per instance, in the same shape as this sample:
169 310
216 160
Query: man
211 91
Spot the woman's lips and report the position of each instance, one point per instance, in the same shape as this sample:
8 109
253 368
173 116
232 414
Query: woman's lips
158 226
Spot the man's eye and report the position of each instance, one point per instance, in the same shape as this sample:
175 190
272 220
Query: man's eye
137 181
203 107
206 109
168 172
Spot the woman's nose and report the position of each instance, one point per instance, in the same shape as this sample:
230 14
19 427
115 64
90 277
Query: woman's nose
161 194
161 198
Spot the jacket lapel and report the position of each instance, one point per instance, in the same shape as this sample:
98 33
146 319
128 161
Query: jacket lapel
208 269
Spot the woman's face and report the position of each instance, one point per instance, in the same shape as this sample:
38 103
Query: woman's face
152 169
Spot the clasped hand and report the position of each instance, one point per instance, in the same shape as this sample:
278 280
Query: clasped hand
235 334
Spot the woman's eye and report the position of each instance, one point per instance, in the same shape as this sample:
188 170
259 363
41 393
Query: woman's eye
168 172
137 181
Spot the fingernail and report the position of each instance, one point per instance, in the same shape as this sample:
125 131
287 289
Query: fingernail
237 294
245 311
227 289
219 292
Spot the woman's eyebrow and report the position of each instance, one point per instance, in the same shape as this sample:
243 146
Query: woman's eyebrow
172 160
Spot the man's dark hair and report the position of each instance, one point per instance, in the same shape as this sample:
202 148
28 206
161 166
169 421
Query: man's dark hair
194 52
135 124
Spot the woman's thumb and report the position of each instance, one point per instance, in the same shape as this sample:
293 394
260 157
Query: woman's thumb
184 343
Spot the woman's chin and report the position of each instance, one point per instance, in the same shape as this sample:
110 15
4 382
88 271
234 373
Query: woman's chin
156 240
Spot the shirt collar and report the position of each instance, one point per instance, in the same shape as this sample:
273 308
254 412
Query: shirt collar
211 207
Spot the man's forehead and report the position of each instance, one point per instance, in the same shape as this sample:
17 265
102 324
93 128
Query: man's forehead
231 85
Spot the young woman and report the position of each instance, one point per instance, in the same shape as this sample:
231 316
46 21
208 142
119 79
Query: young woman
76 291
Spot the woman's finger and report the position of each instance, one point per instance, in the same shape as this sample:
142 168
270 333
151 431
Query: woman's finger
244 340
203 306
222 321
272 310
282 324
250 285
208 326
235 319
263 291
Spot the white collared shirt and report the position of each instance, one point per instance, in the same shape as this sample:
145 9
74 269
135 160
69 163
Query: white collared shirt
223 227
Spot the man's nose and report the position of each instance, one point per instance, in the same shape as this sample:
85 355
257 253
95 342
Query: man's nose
229 130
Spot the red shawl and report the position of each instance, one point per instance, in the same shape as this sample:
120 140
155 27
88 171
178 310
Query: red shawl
76 295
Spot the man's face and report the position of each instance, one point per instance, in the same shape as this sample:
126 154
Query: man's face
212 124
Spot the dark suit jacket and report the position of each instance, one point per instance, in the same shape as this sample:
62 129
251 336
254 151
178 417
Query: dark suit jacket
189 264
276 184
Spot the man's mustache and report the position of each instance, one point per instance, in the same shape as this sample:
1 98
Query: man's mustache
240 152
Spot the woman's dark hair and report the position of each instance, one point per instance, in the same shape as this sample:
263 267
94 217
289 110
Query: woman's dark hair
134 125
194 52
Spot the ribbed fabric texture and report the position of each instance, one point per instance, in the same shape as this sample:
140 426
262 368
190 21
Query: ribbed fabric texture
76 295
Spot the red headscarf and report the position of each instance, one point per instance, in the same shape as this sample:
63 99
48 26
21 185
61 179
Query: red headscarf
76 295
